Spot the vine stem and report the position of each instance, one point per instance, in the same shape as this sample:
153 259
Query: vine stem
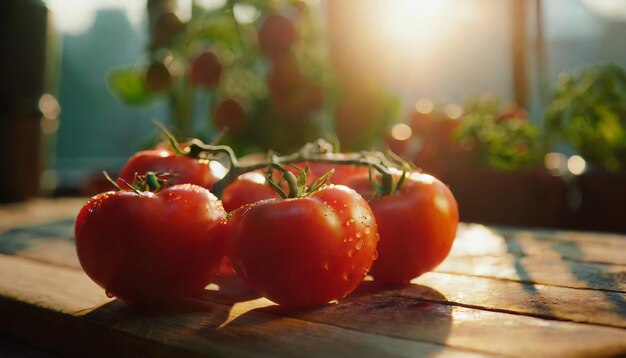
199 149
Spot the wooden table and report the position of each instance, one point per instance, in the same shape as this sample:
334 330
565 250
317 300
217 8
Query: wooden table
510 292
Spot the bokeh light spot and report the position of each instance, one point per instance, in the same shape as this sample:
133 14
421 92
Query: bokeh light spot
576 164
401 131
453 111
424 106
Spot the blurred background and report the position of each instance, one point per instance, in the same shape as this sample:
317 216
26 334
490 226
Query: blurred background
518 105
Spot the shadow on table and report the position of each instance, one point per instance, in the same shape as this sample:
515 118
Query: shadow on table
527 281
16 240
594 275
370 321
420 314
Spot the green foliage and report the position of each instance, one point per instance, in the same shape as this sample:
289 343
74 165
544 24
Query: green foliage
505 141
129 86
278 72
589 112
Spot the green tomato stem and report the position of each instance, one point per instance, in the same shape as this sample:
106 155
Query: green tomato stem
312 152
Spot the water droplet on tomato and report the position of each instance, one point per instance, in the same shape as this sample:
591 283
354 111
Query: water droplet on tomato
368 230
325 265
358 234
109 294
345 277
347 222
359 245
351 220
350 253
375 255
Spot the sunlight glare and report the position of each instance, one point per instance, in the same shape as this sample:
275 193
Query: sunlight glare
241 308
477 240
75 17
401 131
414 25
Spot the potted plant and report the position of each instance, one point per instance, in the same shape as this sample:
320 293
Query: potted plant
491 156
588 115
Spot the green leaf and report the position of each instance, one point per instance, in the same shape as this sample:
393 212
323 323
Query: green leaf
301 180
129 86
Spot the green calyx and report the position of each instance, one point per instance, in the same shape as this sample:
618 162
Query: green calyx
151 181
297 184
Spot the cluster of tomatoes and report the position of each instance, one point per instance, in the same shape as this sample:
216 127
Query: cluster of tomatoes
297 241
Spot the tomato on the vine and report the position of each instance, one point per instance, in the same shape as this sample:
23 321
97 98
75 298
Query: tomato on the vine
417 226
304 251
229 114
205 70
276 34
247 189
186 170
146 247
342 173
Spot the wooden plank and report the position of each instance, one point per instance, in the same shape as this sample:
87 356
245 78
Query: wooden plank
544 270
599 307
495 332
61 309
479 240
586 306
567 304
473 240
540 270
53 242
38 211
368 324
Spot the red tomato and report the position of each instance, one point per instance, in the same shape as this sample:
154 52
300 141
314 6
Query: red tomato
247 189
417 225
205 70
158 77
187 170
285 76
152 247
229 114
276 34
343 173
304 251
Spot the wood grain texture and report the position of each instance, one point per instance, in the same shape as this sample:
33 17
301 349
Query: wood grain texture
38 211
541 270
454 326
371 324
586 306
480 240
62 310
502 291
